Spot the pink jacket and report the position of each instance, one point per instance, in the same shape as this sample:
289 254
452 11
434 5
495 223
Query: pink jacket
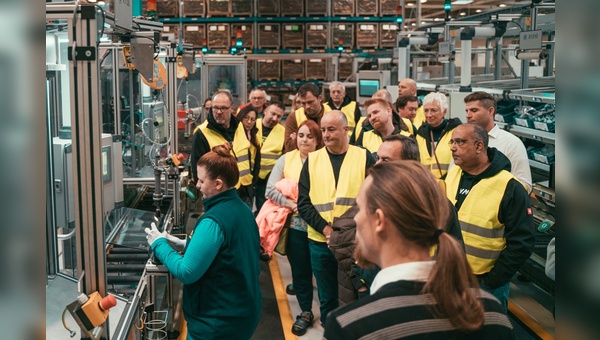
272 216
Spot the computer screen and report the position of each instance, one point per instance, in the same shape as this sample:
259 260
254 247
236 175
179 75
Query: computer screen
106 166
367 87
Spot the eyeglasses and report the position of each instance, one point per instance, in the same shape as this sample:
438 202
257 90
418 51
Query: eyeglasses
250 119
221 109
458 142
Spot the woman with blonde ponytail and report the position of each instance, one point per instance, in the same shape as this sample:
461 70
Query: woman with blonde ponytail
414 294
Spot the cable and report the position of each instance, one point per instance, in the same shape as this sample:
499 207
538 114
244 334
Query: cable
72 333
516 23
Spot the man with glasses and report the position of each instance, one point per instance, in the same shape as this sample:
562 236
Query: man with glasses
258 100
218 128
311 107
493 209
481 109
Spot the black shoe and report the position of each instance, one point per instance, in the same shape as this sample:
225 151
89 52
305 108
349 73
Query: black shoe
289 289
265 257
303 321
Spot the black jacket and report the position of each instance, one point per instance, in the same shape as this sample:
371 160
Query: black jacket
200 143
423 131
514 212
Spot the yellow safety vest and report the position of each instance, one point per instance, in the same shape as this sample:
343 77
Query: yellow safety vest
329 201
348 110
293 165
301 116
271 149
214 138
478 216
442 150
246 154
359 127
410 126
419 118
372 141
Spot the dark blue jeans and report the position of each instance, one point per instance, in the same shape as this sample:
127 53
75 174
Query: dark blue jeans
325 268
299 258
259 192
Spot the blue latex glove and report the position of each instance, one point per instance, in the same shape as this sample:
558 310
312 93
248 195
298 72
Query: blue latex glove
154 234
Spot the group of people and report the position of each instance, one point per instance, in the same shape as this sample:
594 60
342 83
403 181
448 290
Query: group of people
412 224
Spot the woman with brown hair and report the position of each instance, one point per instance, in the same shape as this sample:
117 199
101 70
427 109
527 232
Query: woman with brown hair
219 268
288 166
414 294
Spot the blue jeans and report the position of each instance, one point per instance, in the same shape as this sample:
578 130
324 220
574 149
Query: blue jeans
325 268
500 293
259 192
299 258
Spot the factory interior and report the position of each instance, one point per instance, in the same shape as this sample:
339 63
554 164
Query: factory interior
126 83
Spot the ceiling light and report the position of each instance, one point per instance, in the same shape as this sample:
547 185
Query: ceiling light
437 19
462 2
422 22
413 24
478 11
410 4
463 13
502 5
423 1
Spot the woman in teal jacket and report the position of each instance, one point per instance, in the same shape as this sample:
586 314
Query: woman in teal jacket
220 268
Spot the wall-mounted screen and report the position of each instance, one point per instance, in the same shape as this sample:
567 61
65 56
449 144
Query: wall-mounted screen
106 164
367 87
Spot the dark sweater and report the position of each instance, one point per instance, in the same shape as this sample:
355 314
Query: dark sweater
398 310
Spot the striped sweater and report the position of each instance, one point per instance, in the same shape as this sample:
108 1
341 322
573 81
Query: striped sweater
397 310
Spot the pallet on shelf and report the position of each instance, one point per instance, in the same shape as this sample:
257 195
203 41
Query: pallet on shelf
366 7
167 8
292 36
316 8
269 70
342 7
269 36
292 69
268 8
367 35
345 68
194 34
342 31
316 69
242 8
194 8
218 36
388 7
316 35
293 8
388 35
218 8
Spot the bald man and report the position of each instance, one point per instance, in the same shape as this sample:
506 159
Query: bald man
329 183
407 86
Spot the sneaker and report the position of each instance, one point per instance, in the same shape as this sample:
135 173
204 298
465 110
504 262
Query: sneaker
303 321
289 289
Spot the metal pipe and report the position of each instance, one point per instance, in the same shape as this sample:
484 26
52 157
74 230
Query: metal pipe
123 279
127 250
125 268
488 56
465 72
498 59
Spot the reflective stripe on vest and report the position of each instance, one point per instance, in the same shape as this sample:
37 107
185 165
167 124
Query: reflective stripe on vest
271 149
478 215
329 201
301 116
246 154
293 165
442 151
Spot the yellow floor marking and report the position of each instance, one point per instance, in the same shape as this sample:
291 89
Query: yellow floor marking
285 313
529 322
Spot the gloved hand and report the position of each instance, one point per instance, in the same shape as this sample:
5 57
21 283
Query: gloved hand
177 243
154 234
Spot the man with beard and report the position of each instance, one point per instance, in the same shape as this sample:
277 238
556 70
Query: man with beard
311 107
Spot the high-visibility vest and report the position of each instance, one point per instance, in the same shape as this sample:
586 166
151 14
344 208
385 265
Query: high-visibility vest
359 127
442 150
348 111
372 141
329 201
271 149
478 216
301 116
411 131
293 165
419 118
245 153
